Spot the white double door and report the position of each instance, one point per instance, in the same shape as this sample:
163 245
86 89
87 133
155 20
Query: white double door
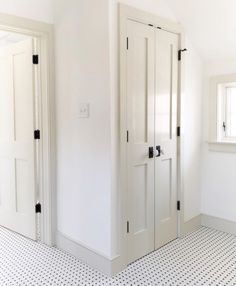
152 89
17 146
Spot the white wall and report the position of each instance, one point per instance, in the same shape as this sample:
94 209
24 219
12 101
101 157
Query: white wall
40 10
83 145
158 7
192 131
218 172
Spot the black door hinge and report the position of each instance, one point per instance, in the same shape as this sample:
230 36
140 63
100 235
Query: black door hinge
127 43
38 208
36 134
127 226
127 136
35 59
180 54
178 131
178 206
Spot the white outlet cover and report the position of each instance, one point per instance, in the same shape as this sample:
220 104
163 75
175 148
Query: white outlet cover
83 110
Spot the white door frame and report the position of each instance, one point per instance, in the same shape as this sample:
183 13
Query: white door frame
130 13
46 150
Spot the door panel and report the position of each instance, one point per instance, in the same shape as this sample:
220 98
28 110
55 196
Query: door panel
5 101
17 151
22 93
165 195
166 137
140 124
140 204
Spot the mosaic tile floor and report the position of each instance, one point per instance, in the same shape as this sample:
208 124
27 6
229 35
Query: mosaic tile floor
205 257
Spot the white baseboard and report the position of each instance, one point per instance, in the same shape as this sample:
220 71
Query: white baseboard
218 223
112 266
191 225
108 266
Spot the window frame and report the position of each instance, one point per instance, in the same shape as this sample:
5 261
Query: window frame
217 140
222 116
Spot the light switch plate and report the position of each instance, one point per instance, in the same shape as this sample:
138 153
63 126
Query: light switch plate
83 110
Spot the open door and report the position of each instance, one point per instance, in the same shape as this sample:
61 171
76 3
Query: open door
17 147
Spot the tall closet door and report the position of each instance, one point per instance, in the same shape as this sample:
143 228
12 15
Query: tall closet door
140 125
166 137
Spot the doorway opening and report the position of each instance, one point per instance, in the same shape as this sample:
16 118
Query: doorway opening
26 125
19 118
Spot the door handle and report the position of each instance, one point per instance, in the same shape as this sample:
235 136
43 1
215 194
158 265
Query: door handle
159 151
151 152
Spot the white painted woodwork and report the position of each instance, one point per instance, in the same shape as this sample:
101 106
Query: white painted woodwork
17 150
152 92
140 124
166 137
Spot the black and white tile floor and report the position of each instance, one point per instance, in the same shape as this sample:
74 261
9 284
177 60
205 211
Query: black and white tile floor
205 257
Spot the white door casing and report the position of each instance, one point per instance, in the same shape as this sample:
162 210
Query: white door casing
166 137
17 147
140 125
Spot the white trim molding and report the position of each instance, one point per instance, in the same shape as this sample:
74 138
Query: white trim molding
44 34
191 225
218 224
216 142
225 147
99 261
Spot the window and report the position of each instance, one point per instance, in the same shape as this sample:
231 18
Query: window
226 116
222 114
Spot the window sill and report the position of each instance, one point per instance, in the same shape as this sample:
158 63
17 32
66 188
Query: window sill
222 146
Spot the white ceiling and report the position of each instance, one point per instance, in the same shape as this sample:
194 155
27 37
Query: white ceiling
210 24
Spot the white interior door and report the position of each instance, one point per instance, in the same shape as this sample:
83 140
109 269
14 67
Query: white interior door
152 91
17 151
140 125
166 137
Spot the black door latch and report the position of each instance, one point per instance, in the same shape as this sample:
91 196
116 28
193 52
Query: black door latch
151 152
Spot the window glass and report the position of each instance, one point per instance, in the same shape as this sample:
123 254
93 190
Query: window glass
230 111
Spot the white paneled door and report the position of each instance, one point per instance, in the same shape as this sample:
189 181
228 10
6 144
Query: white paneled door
140 119
152 85
17 151
166 137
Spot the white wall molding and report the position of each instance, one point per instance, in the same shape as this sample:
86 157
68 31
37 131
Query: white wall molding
218 223
191 225
211 222
226 147
99 261
113 265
